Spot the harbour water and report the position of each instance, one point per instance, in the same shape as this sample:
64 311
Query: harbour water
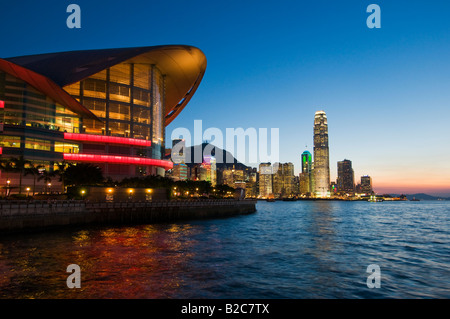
289 250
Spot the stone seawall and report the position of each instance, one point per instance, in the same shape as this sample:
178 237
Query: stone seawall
41 215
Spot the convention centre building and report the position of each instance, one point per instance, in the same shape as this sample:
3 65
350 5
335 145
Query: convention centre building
107 107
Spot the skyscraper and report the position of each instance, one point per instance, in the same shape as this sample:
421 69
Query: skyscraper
265 180
283 180
346 177
209 163
321 155
366 185
305 176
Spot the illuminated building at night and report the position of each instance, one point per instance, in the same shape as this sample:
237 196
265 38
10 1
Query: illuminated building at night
366 185
346 178
209 163
305 180
283 180
321 155
107 107
265 180
231 176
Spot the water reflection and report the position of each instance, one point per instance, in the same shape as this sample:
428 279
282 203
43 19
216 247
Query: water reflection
132 262
322 227
286 250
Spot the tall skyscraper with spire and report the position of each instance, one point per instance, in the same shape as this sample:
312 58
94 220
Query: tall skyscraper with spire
321 155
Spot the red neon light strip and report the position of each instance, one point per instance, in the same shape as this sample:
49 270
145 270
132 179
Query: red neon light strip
106 139
2 104
141 161
1 150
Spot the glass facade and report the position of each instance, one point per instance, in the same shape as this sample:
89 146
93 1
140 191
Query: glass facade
33 125
321 155
128 98
25 106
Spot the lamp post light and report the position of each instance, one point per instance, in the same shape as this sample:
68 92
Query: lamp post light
49 185
82 193
130 192
8 183
28 191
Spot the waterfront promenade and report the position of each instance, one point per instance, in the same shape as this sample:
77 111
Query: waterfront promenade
16 216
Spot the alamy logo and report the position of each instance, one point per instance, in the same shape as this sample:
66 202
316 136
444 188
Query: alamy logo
374 280
74 280
74 19
249 144
374 20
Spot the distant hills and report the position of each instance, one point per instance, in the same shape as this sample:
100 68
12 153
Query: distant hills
421 196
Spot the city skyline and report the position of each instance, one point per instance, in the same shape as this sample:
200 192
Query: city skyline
386 90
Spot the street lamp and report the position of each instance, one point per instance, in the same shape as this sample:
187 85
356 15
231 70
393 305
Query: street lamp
8 182
28 191
49 187
130 191
82 193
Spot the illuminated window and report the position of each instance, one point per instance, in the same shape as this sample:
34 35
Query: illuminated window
9 141
120 73
119 111
61 147
37 144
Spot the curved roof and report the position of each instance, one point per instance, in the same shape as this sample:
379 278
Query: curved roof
47 87
183 67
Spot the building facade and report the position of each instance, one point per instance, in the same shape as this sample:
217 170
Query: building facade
283 180
346 178
265 180
105 107
321 155
366 185
305 180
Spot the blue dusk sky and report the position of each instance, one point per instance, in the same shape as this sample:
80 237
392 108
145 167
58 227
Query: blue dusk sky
273 64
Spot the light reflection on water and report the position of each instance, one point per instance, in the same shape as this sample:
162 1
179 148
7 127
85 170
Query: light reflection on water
286 250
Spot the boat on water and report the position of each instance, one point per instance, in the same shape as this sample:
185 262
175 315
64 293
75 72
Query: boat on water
270 199
415 199
374 199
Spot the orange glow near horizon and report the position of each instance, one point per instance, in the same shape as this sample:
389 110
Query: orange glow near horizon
430 187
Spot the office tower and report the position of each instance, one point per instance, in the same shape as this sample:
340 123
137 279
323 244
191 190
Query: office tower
321 155
265 180
209 163
283 180
198 173
345 179
179 172
305 175
227 177
251 184
366 185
